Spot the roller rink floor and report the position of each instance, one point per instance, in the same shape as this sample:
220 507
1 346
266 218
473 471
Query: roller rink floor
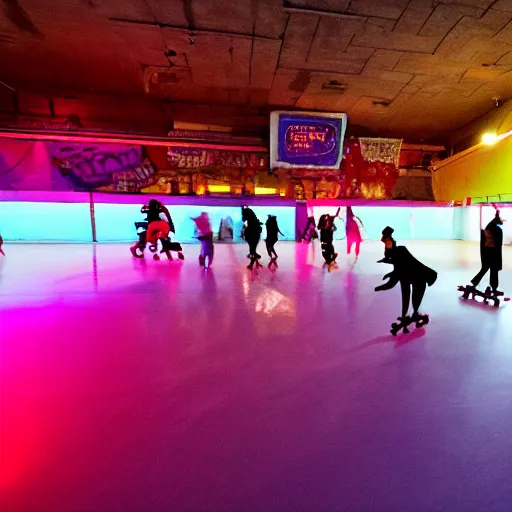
142 386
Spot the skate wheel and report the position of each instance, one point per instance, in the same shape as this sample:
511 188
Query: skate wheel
406 330
180 256
393 332
137 252
156 257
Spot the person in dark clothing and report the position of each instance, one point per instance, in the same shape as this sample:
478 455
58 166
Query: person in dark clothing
409 272
153 212
327 229
491 246
272 236
251 234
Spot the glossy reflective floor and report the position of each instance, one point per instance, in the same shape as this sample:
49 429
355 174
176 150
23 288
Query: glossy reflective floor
132 385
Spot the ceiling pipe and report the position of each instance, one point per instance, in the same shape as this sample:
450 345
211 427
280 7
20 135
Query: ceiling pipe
84 137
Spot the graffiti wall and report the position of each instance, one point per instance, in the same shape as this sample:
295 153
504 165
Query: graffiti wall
369 169
27 165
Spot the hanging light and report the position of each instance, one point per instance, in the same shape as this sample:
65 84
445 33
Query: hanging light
489 138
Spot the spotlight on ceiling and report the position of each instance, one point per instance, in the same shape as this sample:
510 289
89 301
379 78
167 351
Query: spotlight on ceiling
489 138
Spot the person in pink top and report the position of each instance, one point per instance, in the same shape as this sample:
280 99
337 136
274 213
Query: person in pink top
205 236
352 231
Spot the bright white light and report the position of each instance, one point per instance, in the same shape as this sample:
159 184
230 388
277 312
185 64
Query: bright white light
489 138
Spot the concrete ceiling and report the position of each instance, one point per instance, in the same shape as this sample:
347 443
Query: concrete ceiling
408 68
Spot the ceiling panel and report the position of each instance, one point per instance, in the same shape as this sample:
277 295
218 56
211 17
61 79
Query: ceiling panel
436 64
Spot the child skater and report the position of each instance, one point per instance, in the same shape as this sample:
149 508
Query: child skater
204 229
272 236
327 229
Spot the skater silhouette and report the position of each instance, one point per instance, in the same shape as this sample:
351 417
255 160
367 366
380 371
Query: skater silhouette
327 229
409 272
491 246
251 234
205 236
272 236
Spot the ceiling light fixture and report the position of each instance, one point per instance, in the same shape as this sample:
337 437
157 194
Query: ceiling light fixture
489 138
334 85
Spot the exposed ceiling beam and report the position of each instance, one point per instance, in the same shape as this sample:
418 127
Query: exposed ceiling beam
117 138
195 31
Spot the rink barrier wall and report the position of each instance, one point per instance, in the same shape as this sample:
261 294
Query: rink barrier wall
106 217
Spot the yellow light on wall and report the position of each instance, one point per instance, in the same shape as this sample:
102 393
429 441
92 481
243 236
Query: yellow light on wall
265 191
219 189
489 138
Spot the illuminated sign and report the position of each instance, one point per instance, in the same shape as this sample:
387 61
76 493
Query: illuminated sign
307 139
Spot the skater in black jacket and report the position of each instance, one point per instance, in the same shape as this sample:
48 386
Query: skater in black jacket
409 272
272 236
251 234
327 229
491 246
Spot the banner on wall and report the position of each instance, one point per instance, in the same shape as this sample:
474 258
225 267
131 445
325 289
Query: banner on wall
306 139
386 151
192 158
370 168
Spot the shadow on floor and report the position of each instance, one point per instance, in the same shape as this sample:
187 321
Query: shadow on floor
399 341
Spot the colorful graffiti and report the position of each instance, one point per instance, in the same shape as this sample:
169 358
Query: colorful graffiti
368 170
103 167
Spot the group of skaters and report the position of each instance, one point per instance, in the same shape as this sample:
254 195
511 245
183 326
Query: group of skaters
413 276
154 229
327 227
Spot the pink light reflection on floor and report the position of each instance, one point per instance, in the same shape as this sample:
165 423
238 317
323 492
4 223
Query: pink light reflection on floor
146 386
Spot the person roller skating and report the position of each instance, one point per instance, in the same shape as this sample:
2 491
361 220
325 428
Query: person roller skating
327 229
251 234
412 275
155 229
491 249
272 236
352 232
205 236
